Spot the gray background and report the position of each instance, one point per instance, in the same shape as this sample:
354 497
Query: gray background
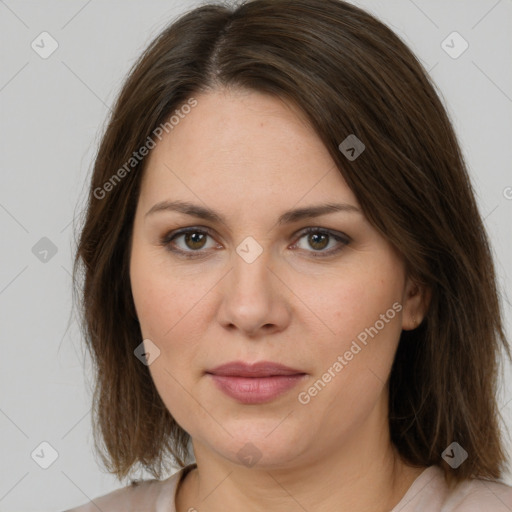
52 111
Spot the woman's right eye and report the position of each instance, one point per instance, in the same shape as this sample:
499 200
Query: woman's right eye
193 242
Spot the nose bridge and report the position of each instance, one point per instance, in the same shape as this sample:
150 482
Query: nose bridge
250 298
251 266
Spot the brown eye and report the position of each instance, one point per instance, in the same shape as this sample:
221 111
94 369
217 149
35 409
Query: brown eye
190 242
194 239
318 239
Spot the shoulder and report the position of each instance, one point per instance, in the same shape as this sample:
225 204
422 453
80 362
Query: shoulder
150 495
477 494
430 493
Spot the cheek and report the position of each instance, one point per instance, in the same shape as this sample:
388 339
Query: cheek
160 300
162 309
353 301
171 306
362 310
353 364
166 316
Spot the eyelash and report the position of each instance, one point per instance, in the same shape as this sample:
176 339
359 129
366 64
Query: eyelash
344 240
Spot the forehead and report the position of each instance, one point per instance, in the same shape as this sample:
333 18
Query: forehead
242 149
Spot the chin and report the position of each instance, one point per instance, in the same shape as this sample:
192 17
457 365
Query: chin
263 448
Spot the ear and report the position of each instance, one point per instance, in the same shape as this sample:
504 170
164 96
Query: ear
416 300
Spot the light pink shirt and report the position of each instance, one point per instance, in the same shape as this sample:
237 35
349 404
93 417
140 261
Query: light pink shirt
428 493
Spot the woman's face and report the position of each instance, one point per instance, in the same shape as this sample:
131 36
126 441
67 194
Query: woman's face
251 288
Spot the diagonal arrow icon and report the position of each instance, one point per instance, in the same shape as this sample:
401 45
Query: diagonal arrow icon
454 455
44 455
351 147
249 249
450 455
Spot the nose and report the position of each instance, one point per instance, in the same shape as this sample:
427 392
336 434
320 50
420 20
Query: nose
254 297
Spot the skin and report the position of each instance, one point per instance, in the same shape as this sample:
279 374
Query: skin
251 156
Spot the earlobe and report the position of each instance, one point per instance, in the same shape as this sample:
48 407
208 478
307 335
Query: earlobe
416 301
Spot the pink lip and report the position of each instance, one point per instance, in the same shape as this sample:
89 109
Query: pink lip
257 383
259 369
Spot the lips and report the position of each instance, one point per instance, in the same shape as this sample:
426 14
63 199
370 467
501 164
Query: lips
255 390
256 383
260 369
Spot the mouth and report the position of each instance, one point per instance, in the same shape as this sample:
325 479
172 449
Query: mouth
260 369
257 383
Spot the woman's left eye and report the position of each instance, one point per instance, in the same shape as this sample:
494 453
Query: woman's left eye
319 239
194 241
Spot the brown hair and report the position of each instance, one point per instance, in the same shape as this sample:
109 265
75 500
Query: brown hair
350 74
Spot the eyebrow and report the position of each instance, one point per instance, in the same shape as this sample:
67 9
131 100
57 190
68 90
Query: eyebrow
286 218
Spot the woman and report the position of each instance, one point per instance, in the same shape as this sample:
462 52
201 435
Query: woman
286 271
